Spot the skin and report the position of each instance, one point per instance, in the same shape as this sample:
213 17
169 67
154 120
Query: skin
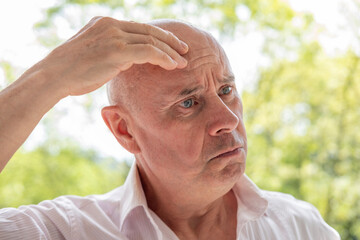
177 147
96 54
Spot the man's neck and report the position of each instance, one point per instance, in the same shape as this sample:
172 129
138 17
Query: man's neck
193 219
215 221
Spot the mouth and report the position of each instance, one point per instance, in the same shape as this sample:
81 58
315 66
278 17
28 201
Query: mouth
229 153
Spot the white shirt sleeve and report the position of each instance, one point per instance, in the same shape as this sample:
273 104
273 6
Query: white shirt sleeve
47 220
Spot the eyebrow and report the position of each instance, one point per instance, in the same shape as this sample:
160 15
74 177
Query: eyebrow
228 79
188 91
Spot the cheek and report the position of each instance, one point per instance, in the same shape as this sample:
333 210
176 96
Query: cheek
171 144
185 142
189 143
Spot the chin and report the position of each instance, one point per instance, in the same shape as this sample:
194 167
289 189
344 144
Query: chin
225 180
228 176
232 172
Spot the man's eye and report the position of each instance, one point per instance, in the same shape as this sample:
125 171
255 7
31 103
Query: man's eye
188 103
226 90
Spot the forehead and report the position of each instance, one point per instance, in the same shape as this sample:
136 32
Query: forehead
206 62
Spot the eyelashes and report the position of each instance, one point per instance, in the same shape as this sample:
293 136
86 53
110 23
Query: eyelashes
226 90
190 102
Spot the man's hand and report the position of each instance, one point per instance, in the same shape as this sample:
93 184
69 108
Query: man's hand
95 55
106 46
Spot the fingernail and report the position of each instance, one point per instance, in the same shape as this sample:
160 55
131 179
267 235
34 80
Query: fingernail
174 62
184 45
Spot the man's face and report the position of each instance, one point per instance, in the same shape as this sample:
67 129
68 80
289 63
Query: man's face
186 118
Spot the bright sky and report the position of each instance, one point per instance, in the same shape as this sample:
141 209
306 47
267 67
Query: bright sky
18 46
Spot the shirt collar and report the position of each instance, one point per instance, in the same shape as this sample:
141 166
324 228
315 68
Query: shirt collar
133 195
251 203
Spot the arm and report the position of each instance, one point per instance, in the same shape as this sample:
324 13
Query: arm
96 54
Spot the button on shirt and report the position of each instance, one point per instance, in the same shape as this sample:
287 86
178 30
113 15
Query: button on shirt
124 214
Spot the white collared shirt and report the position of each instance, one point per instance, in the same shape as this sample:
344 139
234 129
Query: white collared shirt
123 214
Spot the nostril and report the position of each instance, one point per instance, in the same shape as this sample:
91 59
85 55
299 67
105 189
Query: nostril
222 130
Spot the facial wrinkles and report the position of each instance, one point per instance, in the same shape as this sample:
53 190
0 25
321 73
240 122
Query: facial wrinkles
201 62
214 144
209 65
207 145
205 67
210 145
209 80
202 56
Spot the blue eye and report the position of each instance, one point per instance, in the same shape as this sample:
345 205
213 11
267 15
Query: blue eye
188 103
226 90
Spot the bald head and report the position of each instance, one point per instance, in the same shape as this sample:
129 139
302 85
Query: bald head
122 89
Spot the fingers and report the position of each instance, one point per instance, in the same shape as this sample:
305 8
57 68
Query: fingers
146 53
160 45
140 33
148 43
164 36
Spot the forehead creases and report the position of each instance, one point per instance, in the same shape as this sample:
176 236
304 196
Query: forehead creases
199 57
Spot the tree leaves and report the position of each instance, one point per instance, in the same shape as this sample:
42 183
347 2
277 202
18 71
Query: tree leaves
303 131
40 174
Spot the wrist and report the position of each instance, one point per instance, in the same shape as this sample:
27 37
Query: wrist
38 85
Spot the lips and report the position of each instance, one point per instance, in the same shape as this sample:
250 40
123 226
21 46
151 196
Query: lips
230 152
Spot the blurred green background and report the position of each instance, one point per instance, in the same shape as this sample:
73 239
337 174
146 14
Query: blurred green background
302 107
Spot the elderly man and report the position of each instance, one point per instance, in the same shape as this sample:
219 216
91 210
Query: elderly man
175 106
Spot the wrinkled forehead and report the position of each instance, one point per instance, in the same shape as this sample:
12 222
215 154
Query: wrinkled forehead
201 44
204 51
205 58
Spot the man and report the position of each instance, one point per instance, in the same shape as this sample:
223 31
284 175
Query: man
174 105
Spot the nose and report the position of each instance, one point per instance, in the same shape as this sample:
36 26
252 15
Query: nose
222 119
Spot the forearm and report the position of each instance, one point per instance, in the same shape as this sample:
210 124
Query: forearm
96 54
22 105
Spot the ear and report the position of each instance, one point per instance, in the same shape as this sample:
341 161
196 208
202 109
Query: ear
114 119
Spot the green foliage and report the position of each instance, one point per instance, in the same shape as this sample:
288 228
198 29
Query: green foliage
301 117
302 123
9 71
221 15
46 173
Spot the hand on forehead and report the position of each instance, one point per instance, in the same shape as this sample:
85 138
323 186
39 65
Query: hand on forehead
203 49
